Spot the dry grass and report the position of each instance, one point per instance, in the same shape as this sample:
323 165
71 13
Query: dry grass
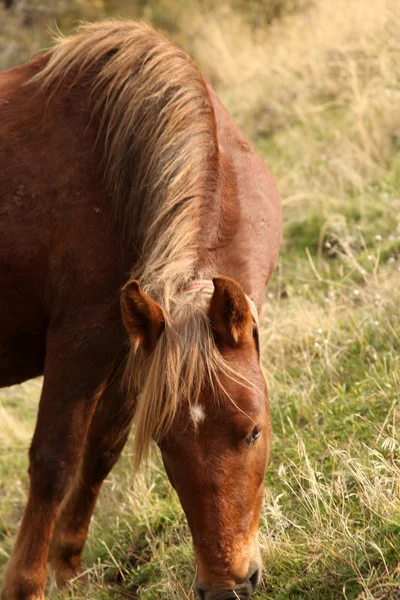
318 92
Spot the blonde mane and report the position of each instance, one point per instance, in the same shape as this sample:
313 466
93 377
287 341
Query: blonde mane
157 126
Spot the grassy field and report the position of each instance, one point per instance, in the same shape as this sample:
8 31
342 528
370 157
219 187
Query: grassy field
318 92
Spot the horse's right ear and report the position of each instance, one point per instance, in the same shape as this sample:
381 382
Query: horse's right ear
143 318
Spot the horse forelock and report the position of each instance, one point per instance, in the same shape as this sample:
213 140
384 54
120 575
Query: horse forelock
185 358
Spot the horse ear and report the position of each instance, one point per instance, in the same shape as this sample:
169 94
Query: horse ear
229 311
143 318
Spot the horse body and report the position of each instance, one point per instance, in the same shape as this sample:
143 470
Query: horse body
65 252
52 203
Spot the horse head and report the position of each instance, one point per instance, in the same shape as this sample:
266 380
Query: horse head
215 445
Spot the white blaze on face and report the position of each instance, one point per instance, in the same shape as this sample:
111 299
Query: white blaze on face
198 414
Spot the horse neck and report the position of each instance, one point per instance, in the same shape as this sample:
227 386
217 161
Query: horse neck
220 218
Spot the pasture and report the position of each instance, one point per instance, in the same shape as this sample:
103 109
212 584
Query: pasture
316 87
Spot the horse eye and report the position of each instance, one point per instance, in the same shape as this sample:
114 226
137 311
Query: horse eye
253 437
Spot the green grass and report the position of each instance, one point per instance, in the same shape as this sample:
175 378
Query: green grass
321 104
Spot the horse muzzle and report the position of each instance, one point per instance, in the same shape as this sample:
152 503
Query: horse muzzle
242 591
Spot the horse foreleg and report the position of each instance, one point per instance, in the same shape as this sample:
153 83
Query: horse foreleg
105 440
72 375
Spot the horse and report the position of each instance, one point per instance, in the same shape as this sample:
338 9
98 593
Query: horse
138 230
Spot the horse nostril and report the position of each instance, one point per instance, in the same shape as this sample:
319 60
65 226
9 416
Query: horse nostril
243 592
201 593
255 580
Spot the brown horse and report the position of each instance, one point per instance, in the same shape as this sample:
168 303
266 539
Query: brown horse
118 165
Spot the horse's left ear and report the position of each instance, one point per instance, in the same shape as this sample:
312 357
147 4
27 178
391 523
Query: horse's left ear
143 317
229 312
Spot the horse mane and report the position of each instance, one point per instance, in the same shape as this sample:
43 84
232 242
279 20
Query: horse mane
158 130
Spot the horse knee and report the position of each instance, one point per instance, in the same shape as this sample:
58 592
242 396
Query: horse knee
50 473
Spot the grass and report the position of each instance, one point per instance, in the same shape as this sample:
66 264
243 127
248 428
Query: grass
318 92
